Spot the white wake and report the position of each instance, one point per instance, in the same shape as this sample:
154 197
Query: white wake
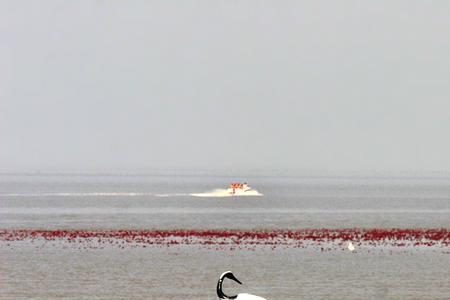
214 193
226 193
78 194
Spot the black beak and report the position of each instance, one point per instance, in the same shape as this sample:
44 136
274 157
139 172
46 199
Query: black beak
235 279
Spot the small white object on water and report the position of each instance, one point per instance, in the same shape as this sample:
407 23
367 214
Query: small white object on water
351 247
241 296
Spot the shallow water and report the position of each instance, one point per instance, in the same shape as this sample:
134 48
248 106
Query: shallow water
191 272
35 269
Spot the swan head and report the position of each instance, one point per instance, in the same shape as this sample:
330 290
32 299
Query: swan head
229 275
224 275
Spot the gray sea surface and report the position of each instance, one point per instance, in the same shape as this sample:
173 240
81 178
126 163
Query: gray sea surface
162 200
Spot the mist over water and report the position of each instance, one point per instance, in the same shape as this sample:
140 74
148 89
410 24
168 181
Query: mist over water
255 85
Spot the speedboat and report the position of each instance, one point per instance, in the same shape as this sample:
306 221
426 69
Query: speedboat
237 188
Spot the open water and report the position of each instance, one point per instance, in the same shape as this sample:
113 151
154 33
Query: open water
38 269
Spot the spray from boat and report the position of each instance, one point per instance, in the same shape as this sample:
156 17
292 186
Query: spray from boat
233 190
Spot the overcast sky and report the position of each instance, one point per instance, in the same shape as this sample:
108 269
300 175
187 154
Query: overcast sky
308 85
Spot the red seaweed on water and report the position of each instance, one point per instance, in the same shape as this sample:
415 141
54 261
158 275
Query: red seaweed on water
397 237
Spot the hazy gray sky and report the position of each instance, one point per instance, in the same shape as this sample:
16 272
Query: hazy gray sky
337 85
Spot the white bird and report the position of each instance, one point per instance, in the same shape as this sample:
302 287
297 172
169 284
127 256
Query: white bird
351 247
240 296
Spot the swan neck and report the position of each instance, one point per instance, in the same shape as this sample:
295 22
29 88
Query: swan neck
220 293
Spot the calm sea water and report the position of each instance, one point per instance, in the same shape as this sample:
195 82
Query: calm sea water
163 201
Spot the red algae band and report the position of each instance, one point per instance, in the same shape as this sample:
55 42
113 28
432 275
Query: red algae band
288 238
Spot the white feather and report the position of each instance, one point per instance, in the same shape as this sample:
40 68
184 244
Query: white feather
245 296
